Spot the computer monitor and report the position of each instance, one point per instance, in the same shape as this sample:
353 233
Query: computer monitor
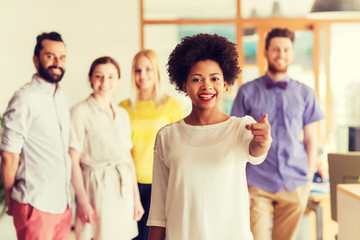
343 168
354 138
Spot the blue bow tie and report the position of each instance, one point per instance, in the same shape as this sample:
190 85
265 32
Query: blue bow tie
272 84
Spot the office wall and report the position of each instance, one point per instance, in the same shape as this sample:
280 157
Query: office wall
89 28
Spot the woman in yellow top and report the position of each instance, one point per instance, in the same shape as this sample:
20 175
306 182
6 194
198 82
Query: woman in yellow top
149 109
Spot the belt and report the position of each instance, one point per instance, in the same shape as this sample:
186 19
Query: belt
122 170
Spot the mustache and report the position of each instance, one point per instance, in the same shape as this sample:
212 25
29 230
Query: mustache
50 67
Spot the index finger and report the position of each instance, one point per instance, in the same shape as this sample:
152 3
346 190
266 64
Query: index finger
264 118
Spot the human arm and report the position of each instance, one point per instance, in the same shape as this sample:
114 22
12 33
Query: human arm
17 120
157 233
157 217
261 142
9 167
138 208
311 117
83 207
310 144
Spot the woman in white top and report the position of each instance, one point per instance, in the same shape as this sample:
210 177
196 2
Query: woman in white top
107 197
199 186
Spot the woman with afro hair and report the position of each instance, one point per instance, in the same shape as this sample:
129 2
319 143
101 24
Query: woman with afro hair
199 185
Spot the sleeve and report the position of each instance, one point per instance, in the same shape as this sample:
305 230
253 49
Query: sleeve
238 108
123 104
77 129
17 120
178 111
312 111
245 139
159 186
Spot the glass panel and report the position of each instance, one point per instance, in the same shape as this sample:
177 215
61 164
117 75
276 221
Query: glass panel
189 9
249 73
250 44
302 67
303 46
250 40
345 80
172 35
275 8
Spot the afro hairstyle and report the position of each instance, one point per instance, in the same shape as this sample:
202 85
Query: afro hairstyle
201 47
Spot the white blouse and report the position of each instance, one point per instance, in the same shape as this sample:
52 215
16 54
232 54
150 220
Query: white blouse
113 136
199 186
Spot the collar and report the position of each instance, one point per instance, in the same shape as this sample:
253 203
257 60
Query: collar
44 85
268 78
270 81
94 104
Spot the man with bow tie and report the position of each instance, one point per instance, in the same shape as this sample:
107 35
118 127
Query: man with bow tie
280 186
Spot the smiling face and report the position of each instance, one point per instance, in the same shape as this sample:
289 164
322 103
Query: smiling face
279 54
51 62
104 80
145 74
205 84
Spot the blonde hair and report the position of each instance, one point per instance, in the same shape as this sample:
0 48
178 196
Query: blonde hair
158 94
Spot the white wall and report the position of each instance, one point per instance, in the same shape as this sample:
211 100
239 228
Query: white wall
89 28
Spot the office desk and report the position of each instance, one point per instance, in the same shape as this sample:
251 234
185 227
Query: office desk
348 211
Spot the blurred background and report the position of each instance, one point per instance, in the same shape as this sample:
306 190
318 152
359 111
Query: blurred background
327 47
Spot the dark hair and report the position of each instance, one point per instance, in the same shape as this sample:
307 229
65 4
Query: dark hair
104 60
201 47
279 32
54 36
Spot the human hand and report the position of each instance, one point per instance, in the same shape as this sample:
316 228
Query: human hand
85 212
138 210
8 204
261 130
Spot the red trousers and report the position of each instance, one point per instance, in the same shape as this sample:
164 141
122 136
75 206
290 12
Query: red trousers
31 224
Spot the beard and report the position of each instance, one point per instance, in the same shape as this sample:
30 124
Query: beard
46 74
275 69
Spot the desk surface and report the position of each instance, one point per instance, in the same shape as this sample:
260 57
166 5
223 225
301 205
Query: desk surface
352 190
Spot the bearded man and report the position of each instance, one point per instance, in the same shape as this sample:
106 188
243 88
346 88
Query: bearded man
279 187
36 166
